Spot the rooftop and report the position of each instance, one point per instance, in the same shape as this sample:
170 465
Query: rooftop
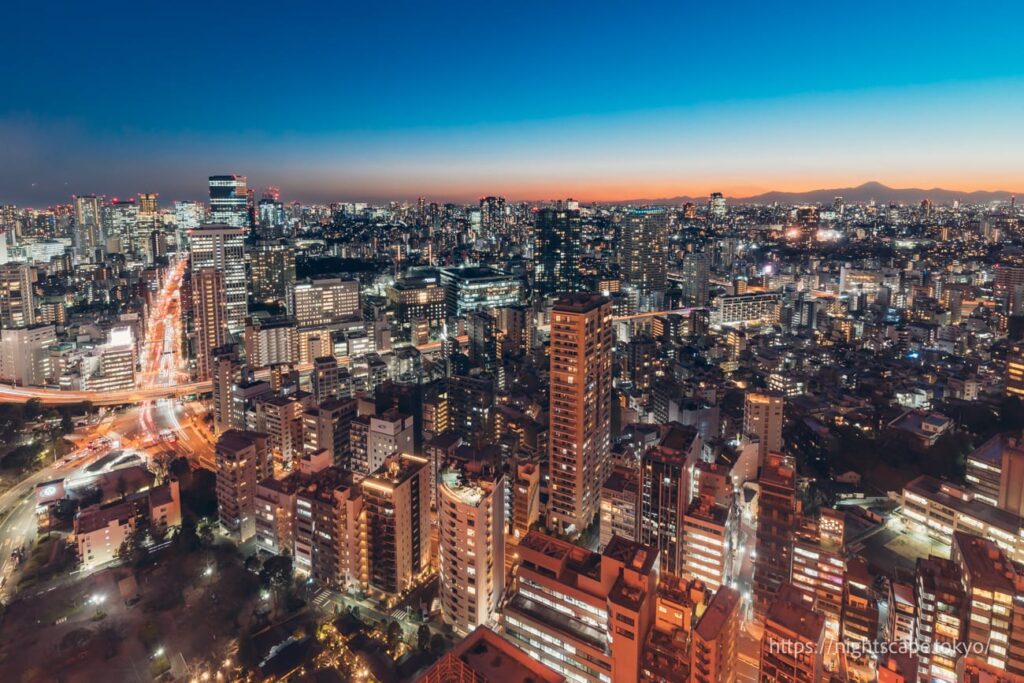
492 659
932 489
792 613
718 613
579 303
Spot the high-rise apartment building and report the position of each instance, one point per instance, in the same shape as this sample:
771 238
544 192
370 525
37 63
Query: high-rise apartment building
620 506
585 615
397 503
229 201
942 607
557 245
777 511
273 272
328 427
995 472
994 588
666 477
471 560
819 566
793 640
209 306
223 247
17 295
713 655
375 438
580 408
762 419
226 372
643 254
695 277
243 460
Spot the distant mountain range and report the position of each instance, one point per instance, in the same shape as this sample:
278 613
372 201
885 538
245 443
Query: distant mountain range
862 194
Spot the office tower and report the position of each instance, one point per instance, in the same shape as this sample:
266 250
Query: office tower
471 560
708 542
666 472
643 255
223 247
776 526
270 216
397 503
580 408
17 298
1015 370
716 206
229 201
326 301
375 438
793 641
713 642
330 537
243 460
188 215
419 301
493 216
696 274
762 419
88 224
585 615
328 427
557 246
994 588
471 407
942 607
226 372
819 567
270 341
119 225
24 354
147 223
475 287
209 305
273 272
324 378
485 657
620 506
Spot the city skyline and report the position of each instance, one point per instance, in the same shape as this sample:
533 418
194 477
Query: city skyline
554 102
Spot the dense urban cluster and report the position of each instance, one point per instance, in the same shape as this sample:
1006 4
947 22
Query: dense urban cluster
547 441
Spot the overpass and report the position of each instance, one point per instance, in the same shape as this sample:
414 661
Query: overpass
56 397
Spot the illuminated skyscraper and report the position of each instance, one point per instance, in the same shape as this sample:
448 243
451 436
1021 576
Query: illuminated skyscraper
666 472
119 224
229 200
273 272
88 223
471 518
210 308
717 206
643 254
222 247
557 245
581 387
17 299
776 529
147 223
762 418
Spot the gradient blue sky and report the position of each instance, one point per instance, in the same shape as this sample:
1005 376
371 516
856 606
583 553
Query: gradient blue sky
346 101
